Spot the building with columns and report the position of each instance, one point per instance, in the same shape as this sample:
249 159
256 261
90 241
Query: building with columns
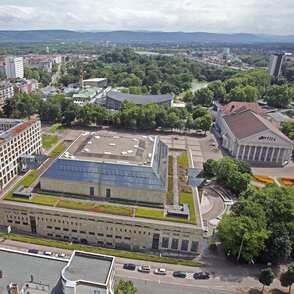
250 137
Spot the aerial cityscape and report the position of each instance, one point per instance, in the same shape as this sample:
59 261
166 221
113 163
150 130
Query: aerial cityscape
146 147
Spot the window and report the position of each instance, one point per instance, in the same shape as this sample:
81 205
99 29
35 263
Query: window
108 193
165 241
184 245
92 191
74 231
91 233
117 237
175 244
109 236
99 234
194 246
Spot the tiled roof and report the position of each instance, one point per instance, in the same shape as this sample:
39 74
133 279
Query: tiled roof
247 123
236 106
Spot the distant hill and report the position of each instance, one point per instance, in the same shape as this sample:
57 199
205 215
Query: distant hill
138 37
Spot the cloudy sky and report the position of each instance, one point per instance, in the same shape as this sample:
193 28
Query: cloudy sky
230 16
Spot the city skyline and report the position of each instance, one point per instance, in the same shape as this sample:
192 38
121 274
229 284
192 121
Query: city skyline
168 15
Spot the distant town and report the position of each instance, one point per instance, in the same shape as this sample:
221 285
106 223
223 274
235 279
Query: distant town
143 168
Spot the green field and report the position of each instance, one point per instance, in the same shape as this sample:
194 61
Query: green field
98 250
49 140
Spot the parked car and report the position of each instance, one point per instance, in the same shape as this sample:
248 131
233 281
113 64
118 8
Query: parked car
160 271
129 266
34 251
62 255
180 274
144 269
201 276
48 253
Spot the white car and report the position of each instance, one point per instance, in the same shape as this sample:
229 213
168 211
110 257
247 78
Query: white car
144 269
48 253
160 271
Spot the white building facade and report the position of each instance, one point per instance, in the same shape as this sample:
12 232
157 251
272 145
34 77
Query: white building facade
17 138
14 67
249 137
6 92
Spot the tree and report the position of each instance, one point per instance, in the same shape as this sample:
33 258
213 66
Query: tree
266 277
242 237
287 278
125 287
203 123
218 90
209 167
203 97
279 96
287 127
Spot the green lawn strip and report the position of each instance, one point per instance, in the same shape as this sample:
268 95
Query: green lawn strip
183 160
158 214
48 141
112 209
187 198
150 213
56 128
57 151
98 250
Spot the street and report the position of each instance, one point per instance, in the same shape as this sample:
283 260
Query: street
225 277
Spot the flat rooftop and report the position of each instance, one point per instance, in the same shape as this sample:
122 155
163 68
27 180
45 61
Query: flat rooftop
21 268
112 147
88 267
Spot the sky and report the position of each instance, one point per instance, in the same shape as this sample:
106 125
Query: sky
220 16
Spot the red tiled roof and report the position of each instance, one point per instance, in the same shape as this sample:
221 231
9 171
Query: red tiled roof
236 106
247 123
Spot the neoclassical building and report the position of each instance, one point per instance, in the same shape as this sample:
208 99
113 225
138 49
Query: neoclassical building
250 137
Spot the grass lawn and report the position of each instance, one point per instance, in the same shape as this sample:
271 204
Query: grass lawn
187 198
48 141
98 250
150 213
183 160
57 151
119 210
28 179
56 128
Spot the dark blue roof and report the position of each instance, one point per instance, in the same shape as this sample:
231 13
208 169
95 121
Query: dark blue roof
110 174
139 99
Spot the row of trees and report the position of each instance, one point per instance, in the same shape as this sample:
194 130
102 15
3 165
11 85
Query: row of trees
230 173
42 76
150 116
267 276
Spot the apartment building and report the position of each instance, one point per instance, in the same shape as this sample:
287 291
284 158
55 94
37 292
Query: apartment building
17 138
14 67
6 92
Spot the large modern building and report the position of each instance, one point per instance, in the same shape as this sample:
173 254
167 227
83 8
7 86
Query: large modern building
25 273
104 165
114 99
110 190
14 67
6 92
250 137
17 138
275 65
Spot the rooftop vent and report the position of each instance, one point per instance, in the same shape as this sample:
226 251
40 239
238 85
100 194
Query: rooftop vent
112 144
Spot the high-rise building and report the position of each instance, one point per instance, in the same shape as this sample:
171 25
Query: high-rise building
14 67
275 65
